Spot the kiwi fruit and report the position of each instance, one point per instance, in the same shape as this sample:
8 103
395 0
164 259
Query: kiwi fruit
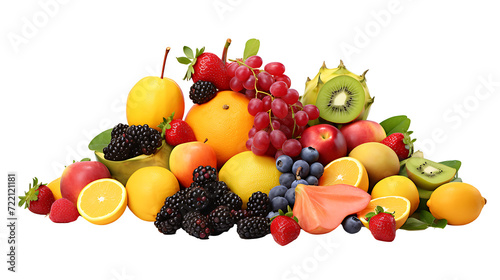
428 175
341 99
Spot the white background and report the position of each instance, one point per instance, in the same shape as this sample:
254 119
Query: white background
66 70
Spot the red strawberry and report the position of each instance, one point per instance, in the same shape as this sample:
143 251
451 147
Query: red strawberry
382 224
204 66
176 131
38 199
284 228
401 143
63 211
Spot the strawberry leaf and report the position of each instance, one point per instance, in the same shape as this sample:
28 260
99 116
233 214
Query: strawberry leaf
165 124
183 60
188 52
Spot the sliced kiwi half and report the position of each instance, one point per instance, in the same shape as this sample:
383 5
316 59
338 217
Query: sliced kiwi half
341 99
427 174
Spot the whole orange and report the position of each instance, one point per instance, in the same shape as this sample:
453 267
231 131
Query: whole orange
223 122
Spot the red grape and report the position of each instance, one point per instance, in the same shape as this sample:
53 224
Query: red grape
292 147
250 93
235 84
291 97
275 68
301 118
267 103
278 89
261 120
264 81
231 67
257 151
252 132
287 131
254 61
285 79
297 106
242 73
254 106
276 124
249 83
277 137
261 140
271 151
279 108
249 143
278 154
312 111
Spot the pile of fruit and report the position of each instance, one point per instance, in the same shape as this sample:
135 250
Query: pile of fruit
252 152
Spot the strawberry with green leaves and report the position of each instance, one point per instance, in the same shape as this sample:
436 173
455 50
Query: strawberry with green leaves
285 227
401 143
382 224
38 199
176 131
205 66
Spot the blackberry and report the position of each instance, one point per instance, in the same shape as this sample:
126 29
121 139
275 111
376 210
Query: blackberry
196 198
204 174
196 224
216 190
145 139
119 130
253 227
202 92
117 149
169 219
239 214
220 220
231 200
258 204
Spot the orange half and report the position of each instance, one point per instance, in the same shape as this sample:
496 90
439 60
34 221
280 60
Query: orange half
345 170
102 201
399 205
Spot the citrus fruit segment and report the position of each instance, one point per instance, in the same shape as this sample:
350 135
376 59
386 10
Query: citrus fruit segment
398 186
397 204
102 201
345 170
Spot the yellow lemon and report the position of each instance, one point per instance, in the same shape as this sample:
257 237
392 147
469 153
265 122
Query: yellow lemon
397 204
459 203
246 173
102 201
147 189
55 187
398 186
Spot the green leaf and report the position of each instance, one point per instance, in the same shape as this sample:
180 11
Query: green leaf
100 141
453 164
456 180
414 224
251 48
396 124
440 223
183 60
188 52
426 217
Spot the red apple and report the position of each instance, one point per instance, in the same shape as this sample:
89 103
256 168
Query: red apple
77 175
327 140
362 131
186 157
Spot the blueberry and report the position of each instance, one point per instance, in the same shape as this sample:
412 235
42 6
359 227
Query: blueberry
296 182
279 203
309 154
316 169
277 191
286 179
290 197
284 163
305 168
352 224
311 180
272 214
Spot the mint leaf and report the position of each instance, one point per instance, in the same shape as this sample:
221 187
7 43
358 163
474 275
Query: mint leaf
100 141
396 124
251 48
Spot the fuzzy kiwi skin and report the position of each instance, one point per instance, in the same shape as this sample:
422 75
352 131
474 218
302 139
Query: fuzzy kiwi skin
418 171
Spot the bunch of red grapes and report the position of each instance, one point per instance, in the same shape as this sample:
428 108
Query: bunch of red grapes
279 116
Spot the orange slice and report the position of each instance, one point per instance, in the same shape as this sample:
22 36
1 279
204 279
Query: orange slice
345 170
399 205
102 201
